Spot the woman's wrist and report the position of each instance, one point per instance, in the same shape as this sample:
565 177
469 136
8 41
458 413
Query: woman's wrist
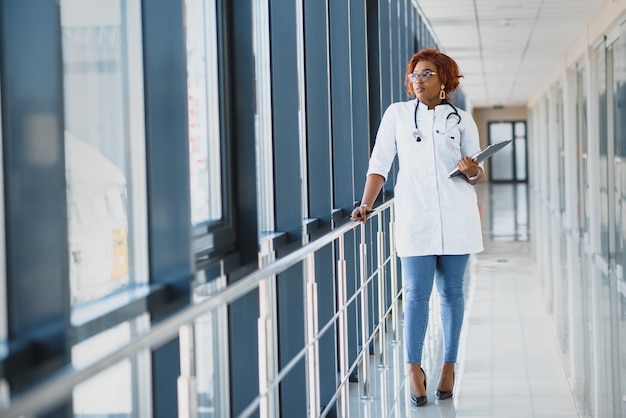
473 178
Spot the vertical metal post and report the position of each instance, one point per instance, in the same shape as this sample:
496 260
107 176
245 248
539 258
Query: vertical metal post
364 371
221 354
264 327
267 334
141 362
311 333
187 392
382 307
5 395
398 373
342 331
394 276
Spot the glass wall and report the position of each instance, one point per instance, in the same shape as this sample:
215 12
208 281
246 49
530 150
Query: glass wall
582 150
205 149
619 132
104 140
106 187
111 392
4 332
601 138
559 150
119 391
244 120
3 288
584 284
619 284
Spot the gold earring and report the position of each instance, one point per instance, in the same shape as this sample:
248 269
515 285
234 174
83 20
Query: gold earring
442 93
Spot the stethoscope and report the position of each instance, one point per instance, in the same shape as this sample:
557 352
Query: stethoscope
417 134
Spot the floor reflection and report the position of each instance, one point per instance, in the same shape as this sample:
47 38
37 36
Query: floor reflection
508 212
443 409
390 388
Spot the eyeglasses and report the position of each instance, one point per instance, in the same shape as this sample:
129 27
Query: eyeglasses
423 77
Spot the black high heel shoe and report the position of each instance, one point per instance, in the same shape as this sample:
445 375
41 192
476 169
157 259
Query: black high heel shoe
420 400
445 394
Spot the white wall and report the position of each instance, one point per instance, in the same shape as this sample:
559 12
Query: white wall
610 15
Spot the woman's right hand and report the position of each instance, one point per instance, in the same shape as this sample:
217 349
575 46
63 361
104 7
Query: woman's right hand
361 213
373 184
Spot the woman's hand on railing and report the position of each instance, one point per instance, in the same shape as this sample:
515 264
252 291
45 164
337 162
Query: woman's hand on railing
361 213
373 184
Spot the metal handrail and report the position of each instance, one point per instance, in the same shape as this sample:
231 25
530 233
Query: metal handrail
60 385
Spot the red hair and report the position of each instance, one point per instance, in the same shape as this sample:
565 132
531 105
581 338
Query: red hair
446 68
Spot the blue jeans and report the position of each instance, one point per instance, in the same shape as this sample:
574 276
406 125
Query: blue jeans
417 275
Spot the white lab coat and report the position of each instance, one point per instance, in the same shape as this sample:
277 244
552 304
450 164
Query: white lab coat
434 214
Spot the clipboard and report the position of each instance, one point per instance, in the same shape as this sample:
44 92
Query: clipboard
482 155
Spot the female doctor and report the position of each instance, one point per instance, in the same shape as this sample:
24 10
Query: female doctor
437 218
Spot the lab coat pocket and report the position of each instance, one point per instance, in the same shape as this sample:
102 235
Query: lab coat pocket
451 145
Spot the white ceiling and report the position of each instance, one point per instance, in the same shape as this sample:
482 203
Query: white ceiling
505 47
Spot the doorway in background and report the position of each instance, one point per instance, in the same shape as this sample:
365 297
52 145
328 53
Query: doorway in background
510 163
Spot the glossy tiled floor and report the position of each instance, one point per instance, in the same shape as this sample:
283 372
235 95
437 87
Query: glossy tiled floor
509 364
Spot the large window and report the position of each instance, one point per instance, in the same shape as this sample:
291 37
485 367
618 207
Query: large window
263 117
117 392
510 163
3 293
205 150
110 392
106 187
619 133
104 141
